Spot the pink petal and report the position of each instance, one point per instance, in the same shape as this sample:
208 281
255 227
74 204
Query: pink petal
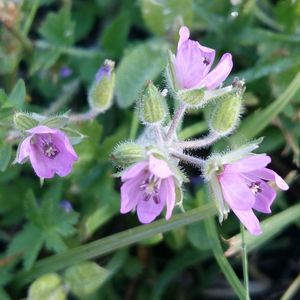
268 174
236 192
167 193
134 170
130 195
249 220
63 138
248 164
159 167
184 34
42 130
147 211
264 199
219 73
24 150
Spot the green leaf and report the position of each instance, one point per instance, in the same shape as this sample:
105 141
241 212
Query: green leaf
5 155
161 16
4 295
18 94
258 121
85 278
58 28
135 70
198 237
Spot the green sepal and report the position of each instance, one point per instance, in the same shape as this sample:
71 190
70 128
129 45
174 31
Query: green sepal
128 153
170 72
74 136
24 121
192 98
58 121
152 105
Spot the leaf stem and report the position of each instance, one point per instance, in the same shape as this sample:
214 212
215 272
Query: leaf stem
245 263
198 162
111 243
199 143
30 17
176 120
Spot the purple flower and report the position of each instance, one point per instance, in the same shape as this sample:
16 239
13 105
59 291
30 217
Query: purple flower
105 70
148 186
49 151
244 185
193 63
65 72
66 206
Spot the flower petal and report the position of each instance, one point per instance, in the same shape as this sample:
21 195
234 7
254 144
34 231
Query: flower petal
236 192
134 170
268 174
167 192
248 164
184 34
219 73
159 167
148 210
265 198
249 220
24 150
130 195
42 130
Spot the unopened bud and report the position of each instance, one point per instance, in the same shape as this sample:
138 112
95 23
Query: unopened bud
192 98
226 114
127 154
47 287
152 106
101 92
24 121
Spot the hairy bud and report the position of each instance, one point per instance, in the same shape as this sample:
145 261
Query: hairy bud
24 121
101 92
192 98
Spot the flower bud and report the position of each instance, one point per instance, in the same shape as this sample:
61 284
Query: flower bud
127 154
152 106
101 92
47 287
24 121
226 114
192 98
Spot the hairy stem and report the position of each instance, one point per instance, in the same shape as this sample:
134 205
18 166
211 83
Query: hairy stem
245 263
89 115
176 120
197 144
199 162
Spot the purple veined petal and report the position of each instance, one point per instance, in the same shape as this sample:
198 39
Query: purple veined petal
167 192
184 34
134 170
130 195
249 220
24 150
208 57
215 77
236 192
189 65
40 163
268 174
41 129
61 137
148 210
159 167
265 198
248 164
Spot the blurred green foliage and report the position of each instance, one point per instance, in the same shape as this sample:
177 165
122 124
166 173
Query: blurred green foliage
39 39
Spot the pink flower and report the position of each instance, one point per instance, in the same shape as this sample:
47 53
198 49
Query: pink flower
49 151
148 186
193 63
244 185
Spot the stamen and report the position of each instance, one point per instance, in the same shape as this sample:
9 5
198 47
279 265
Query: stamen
255 187
48 148
150 187
206 61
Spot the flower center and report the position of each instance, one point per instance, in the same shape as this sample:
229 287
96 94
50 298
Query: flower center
150 187
255 187
47 146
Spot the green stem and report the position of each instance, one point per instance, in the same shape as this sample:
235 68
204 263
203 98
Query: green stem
24 41
245 263
223 263
134 126
111 243
30 17
292 290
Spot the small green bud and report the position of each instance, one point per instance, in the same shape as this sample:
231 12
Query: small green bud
226 114
24 121
47 287
192 98
101 93
85 278
152 105
127 154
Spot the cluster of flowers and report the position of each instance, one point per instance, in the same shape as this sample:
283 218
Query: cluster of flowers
150 173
